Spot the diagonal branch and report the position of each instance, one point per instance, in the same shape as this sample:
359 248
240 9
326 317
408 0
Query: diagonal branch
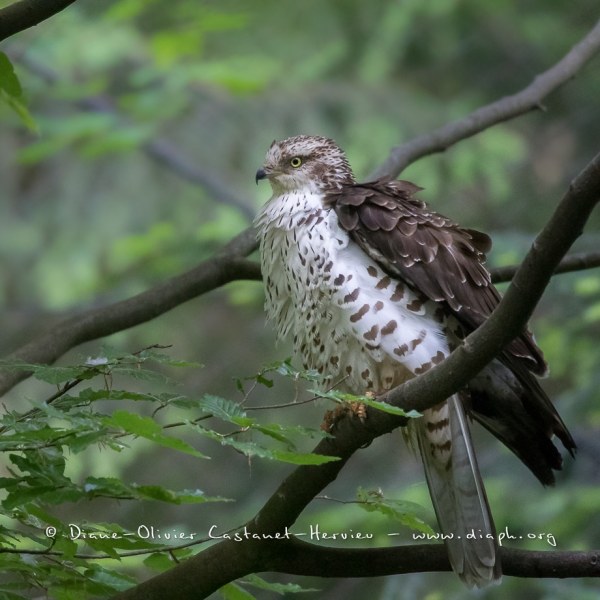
229 265
501 110
28 13
225 560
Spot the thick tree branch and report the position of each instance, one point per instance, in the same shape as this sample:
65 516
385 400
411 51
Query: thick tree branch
228 265
501 110
301 558
28 13
188 581
302 485
517 305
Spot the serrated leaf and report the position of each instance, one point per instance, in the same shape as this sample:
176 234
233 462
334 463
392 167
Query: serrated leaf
147 428
155 492
281 433
50 374
222 408
112 579
252 449
106 486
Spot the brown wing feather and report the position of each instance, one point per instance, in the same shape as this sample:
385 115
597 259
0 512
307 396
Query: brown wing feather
430 252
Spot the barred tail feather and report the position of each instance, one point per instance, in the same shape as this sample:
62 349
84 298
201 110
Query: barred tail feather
458 494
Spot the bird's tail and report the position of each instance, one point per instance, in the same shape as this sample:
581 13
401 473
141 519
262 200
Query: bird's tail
457 493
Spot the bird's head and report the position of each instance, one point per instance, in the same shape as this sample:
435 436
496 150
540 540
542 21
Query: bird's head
305 162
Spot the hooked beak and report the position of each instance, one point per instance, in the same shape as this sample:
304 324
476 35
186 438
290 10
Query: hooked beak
260 174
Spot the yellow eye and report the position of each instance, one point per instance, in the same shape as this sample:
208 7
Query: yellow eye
296 162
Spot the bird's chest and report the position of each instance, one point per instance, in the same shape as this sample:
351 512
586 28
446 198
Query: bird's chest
348 319
300 261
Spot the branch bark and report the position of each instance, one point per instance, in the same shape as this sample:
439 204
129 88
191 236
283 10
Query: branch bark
501 110
187 581
281 510
228 265
28 13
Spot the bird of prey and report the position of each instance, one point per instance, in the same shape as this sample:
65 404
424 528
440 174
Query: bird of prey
375 288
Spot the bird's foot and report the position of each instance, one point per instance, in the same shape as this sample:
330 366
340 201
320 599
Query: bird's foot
355 409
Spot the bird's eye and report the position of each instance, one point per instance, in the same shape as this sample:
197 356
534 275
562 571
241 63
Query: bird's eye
296 162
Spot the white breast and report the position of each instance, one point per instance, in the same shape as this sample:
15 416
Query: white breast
349 320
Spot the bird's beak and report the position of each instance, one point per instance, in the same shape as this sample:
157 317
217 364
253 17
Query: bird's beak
260 174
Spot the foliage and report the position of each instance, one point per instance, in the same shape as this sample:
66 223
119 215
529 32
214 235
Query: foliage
139 108
11 92
46 551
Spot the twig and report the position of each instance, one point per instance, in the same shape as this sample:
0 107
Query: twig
501 110
28 13
570 263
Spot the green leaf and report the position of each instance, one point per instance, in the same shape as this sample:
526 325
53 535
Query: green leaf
155 492
159 561
148 428
9 82
403 511
278 588
252 449
351 398
232 591
12 92
225 410
48 374
109 578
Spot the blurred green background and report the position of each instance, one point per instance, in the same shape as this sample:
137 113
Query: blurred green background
129 95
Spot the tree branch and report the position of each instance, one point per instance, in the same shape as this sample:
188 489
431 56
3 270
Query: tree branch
302 558
501 110
187 581
569 264
204 573
229 265
511 315
28 13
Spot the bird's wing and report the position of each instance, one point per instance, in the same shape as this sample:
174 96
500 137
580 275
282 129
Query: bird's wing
434 255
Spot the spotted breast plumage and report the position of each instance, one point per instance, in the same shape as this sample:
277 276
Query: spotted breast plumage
376 288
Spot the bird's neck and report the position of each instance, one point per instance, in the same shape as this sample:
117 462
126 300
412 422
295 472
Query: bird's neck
286 210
